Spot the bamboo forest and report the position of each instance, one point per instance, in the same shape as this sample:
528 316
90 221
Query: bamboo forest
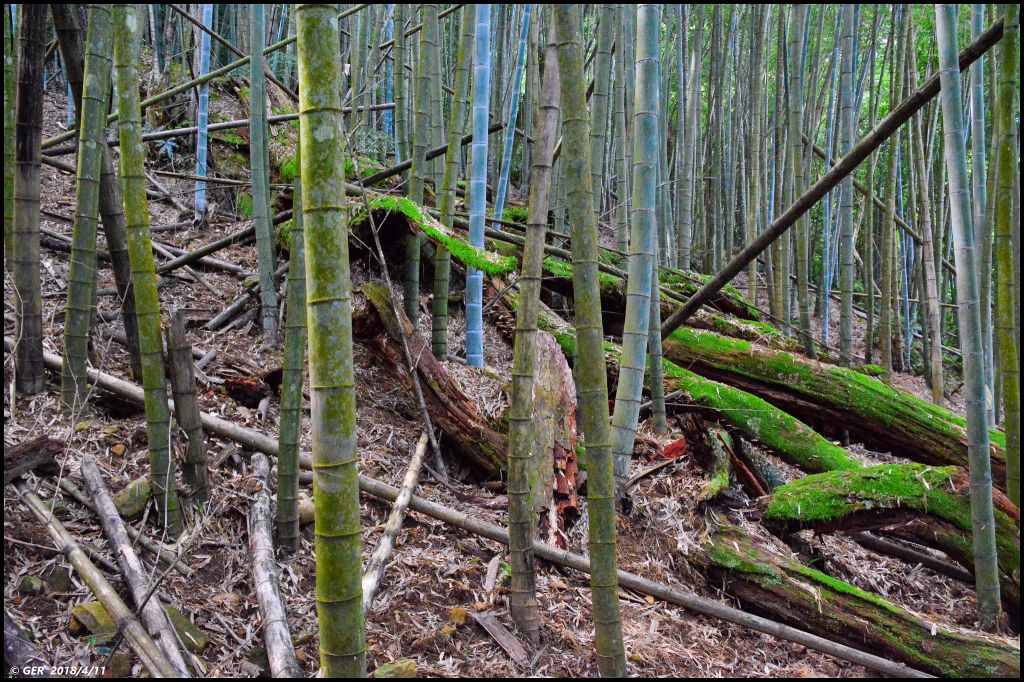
511 340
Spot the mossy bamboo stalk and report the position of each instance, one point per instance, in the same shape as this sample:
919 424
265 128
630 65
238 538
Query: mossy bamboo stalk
202 115
1007 291
329 317
847 231
293 366
643 230
522 432
591 379
452 167
140 251
607 17
478 182
259 160
969 317
82 274
28 365
401 88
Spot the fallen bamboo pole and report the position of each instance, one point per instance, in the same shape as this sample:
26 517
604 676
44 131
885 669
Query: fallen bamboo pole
153 659
261 443
153 615
280 649
375 568
846 165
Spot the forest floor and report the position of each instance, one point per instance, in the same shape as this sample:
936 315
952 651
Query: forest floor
434 568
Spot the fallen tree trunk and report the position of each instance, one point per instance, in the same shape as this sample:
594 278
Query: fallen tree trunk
280 649
786 436
834 398
767 581
935 500
375 327
32 455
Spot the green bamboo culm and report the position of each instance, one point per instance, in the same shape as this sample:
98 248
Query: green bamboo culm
522 433
592 382
599 100
10 58
986 567
140 252
643 228
292 373
339 591
82 275
847 231
259 152
1007 289
420 166
457 120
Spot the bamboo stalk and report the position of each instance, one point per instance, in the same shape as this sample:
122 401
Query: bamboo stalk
375 568
153 659
280 649
153 615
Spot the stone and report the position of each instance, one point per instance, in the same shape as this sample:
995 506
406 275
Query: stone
131 501
30 585
194 639
403 667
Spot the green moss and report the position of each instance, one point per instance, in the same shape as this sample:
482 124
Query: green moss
244 205
228 136
283 234
872 370
465 253
287 168
515 214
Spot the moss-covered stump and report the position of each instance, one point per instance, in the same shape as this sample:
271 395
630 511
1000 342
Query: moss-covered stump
375 326
834 398
926 504
779 587
787 437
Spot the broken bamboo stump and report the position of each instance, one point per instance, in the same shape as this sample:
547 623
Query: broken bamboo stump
153 615
280 649
186 412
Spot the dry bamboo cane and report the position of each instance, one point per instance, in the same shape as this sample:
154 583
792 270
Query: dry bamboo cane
153 615
280 649
261 443
375 568
128 625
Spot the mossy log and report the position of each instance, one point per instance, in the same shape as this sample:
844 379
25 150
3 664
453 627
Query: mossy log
768 582
834 398
928 505
750 416
375 327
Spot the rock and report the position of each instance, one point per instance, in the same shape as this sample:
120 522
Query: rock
59 580
121 665
403 667
91 617
194 639
258 657
30 585
131 501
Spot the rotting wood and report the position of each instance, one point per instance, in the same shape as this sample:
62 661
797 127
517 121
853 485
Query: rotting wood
37 454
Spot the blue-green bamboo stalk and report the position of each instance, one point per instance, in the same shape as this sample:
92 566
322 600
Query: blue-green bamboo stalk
478 183
513 111
644 225
259 159
202 116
